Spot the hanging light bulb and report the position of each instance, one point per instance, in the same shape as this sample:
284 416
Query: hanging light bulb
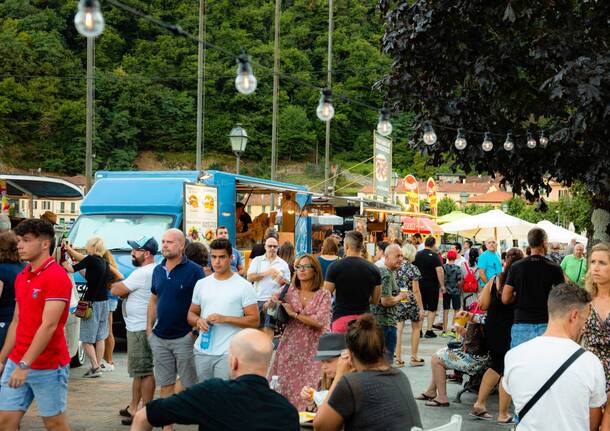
245 81
325 110
531 142
429 134
543 140
384 127
89 20
509 145
487 145
460 140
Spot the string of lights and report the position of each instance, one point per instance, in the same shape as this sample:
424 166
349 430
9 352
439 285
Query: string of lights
89 22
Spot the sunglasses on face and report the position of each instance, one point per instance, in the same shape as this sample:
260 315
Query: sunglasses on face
303 267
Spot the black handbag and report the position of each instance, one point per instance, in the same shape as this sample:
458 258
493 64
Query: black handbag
279 313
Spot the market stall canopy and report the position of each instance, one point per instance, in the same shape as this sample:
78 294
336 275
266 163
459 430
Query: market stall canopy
560 234
41 187
421 225
452 216
326 220
491 224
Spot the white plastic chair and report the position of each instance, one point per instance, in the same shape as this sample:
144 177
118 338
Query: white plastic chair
455 424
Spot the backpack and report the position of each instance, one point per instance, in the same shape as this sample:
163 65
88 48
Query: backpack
471 285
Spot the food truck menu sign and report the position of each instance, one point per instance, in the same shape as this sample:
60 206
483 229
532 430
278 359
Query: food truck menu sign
200 212
383 166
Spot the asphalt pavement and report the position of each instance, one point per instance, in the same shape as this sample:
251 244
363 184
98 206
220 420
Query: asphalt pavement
93 404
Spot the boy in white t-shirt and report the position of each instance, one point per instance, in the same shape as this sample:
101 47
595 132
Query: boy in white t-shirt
223 303
574 402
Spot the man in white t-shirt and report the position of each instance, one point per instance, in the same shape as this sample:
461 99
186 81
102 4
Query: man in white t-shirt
135 291
574 402
223 303
268 273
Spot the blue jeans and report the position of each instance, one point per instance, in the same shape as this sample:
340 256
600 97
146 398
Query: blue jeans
522 332
48 387
389 336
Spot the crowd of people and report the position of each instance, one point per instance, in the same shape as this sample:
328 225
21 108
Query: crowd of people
236 346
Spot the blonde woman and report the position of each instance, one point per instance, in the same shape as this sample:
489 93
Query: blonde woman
407 279
596 336
99 273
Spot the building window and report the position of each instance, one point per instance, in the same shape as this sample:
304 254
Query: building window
72 207
46 205
71 220
62 220
62 207
35 205
564 193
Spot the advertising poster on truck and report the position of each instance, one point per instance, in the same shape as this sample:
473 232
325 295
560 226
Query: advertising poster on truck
200 212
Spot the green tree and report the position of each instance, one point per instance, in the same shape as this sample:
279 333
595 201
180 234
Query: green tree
446 205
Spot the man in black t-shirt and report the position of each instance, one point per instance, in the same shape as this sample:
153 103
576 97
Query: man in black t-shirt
244 402
432 280
528 285
356 281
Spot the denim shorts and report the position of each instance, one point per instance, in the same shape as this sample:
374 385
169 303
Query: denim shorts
522 332
48 387
113 304
95 328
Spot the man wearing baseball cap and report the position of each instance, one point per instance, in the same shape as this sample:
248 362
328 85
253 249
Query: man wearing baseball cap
135 291
330 347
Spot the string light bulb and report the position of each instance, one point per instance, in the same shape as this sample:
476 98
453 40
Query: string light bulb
89 20
460 140
487 144
429 134
245 81
531 142
509 145
325 110
384 127
544 141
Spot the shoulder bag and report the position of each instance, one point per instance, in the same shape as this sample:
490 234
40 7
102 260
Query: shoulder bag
279 313
526 408
84 309
471 285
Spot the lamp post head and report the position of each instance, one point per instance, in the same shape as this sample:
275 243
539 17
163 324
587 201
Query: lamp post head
239 139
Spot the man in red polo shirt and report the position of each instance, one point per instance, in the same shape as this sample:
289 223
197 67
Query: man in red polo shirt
35 346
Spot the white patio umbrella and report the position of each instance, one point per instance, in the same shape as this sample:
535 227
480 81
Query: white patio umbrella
491 224
560 234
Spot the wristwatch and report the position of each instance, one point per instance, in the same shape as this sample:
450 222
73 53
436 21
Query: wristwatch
23 365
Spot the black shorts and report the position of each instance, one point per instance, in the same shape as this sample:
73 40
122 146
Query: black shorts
429 297
454 298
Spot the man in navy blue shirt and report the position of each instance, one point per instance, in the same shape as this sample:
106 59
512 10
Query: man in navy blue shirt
243 403
167 328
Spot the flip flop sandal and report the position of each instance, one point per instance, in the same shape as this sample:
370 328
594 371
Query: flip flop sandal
424 397
434 403
509 421
399 363
125 412
481 415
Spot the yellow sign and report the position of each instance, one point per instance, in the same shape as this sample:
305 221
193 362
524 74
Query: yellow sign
431 189
412 192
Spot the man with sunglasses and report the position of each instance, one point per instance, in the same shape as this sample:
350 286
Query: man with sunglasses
268 273
135 291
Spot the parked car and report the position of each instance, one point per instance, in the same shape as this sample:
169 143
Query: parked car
72 332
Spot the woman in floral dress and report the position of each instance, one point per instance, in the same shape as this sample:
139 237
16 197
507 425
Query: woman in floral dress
596 335
309 308
407 277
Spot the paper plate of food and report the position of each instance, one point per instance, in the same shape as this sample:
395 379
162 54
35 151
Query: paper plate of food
306 418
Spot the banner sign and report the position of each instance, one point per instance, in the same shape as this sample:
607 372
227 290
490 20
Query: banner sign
4 204
431 189
412 192
382 178
200 212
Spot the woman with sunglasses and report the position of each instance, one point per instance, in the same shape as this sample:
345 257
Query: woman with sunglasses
309 308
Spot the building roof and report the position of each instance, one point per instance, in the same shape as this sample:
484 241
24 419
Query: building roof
491 198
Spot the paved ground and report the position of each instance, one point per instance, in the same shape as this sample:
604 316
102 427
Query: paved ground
93 404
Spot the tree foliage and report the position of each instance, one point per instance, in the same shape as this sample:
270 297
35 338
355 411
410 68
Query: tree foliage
146 81
502 66
446 205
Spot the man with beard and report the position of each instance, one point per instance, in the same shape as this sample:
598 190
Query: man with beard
135 291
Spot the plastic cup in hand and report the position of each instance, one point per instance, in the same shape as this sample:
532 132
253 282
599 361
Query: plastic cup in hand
405 291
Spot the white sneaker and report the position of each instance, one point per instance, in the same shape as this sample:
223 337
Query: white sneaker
106 367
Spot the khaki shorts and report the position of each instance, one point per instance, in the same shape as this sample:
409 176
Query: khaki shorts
139 355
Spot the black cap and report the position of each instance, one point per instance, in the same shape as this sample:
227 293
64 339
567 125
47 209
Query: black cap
145 243
330 346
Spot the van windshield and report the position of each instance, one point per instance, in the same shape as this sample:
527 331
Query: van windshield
116 229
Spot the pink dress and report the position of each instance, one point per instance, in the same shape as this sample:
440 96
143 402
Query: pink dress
294 360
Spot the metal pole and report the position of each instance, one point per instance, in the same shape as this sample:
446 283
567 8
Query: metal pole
200 86
276 89
328 85
89 117
237 164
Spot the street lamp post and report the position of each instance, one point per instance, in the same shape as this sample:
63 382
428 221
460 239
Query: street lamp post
463 199
395 178
239 139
